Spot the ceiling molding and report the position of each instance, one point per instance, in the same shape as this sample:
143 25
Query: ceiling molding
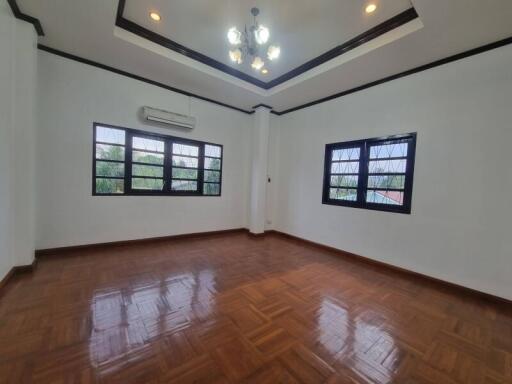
136 77
373 33
446 60
262 106
22 16
456 57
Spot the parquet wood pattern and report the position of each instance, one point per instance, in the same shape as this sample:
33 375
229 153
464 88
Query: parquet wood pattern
236 309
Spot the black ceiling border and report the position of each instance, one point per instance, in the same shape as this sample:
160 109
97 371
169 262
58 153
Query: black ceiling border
22 16
446 60
262 106
373 33
136 77
456 57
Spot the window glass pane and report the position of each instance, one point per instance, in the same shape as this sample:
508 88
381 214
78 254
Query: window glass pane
343 194
188 162
183 185
183 149
110 135
147 170
385 182
181 173
109 152
104 168
109 185
211 189
147 157
346 154
148 184
212 176
148 144
344 181
388 150
212 150
387 166
385 197
351 167
210 163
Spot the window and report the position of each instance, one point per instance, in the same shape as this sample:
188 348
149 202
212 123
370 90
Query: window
132 162
372 174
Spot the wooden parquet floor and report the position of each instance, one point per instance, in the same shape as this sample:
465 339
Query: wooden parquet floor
230 309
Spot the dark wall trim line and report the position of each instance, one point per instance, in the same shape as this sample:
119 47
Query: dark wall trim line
432 281
434 64
447 60
39 253
136 77
15 271
440 284
263 105
22 16
386 26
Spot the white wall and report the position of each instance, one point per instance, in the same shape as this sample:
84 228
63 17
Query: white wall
71 97
460 226
18 61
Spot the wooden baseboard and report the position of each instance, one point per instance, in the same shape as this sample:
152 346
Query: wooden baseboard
14 271
443 284
39 253
371 262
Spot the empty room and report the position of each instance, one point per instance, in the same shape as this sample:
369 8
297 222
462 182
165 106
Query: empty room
263 191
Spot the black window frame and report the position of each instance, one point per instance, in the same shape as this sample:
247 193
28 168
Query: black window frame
167 163
363 173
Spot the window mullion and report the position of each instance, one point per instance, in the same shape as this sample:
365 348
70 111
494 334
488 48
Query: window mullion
200 170
168 166
363 174
128 162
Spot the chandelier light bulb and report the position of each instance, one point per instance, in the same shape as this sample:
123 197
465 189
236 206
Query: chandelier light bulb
234 36
257 63
236 55
273 52
261 34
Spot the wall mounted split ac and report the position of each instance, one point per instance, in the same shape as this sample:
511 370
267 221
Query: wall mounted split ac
169 118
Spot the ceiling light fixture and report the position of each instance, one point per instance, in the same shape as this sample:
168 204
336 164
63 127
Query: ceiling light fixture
370 8
264 71
249 42
155 16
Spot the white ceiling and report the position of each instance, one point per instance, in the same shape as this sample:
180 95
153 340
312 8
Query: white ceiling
303 29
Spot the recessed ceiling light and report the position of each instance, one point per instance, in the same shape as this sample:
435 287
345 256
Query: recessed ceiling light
370 8
155 16
264 71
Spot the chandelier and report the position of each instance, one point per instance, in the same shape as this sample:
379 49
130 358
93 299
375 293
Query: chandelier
249 44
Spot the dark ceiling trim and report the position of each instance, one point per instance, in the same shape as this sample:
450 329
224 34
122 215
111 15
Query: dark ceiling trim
459 56
174 46
363 38
136 77
20 15
263 106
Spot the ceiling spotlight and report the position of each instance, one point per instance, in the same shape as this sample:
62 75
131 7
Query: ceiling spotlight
264 71
370 8
273 52
257 63
261 34
234 36
155 16
236 55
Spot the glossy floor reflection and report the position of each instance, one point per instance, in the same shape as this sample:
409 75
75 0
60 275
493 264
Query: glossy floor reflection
231 308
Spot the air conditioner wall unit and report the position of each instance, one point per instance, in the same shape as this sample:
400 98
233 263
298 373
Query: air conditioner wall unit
169 118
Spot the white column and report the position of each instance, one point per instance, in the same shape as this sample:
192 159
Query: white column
259 145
